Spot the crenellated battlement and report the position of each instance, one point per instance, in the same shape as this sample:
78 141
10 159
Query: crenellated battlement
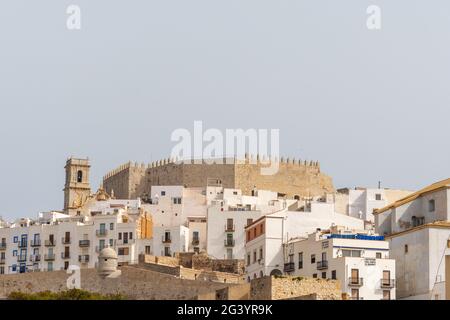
249 159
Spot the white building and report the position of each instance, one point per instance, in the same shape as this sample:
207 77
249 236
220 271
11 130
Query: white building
265 237
358 259
229 212
55 240
418 229
361 202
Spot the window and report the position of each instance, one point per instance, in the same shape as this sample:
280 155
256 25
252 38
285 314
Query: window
431 205
147 250
355 294
111 226
249 221
248 259
333 275
386 294
378 196
315 275
176 200
291 258
324 275
346 253
313 258
448 243
406 248
254 256
300 260
417 221
378 255
16 239
2 270
356 253
260 253
14 267
123 251
131 236
120 235
111 242
163 193
235 193
66 265
79 176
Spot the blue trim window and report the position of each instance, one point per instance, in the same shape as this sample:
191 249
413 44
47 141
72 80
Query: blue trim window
14 268
14 253
15 239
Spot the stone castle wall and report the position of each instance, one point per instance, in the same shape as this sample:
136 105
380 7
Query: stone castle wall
294 177
134 283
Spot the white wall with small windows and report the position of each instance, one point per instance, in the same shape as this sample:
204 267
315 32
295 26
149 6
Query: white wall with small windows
362 266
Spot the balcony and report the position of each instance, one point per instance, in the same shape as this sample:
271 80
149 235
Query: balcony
49 243
230 228
83 258
195 242
388 283
125 242
84 243
101 232
49 257
99 248
22 244
35 258
3 246
355 282
229 243
35 243
21 258
65 255
65 240
2 260
289 267
322 265
166 239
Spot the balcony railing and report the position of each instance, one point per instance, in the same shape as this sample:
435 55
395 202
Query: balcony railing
166 239
49 243
289 267
321 265
229 228
65 255
35 243
229 243
65 240
35 258
3 246
355 282
83 258
21 258
22 244
49 257
125 242
195 242
101 232
387 283
99 248
84 243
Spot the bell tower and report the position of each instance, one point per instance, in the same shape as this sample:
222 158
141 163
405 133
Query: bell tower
77 188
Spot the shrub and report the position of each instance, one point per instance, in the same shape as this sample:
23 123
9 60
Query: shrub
72 294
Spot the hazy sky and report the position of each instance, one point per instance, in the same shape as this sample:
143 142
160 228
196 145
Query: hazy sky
369 105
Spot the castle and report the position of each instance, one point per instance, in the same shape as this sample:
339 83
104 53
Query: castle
294 179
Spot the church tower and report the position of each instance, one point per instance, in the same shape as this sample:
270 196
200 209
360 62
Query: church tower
77 188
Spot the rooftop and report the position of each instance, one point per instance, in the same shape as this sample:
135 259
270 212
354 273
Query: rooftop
431 188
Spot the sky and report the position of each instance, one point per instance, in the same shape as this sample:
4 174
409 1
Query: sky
370 105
